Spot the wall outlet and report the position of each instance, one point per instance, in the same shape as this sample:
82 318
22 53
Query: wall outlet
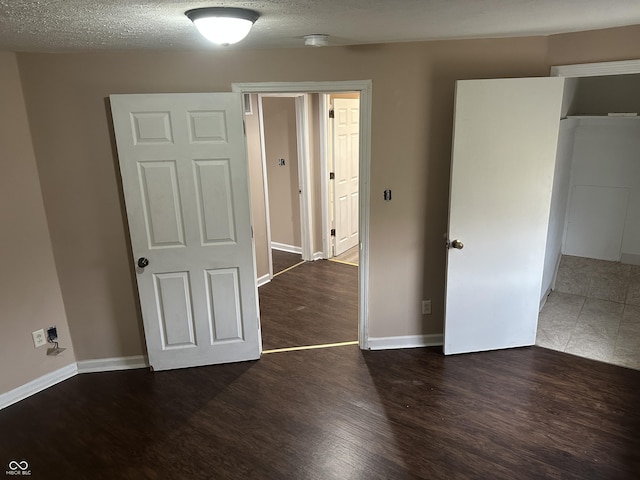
38 338
426 307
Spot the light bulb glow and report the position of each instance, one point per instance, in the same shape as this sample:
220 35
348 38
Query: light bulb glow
223 25
223 30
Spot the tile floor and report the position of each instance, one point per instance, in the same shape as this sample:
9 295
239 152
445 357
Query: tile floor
350 256
594 311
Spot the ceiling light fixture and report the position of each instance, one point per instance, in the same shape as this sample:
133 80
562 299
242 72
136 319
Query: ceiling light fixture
223 25
316 40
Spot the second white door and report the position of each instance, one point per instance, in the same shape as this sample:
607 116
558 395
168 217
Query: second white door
504 150
346 158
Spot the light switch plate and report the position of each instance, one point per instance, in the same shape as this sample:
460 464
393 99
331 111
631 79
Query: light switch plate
426 307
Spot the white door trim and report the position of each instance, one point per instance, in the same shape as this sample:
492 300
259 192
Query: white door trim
304 175
625 67
365 88
323 121
265 186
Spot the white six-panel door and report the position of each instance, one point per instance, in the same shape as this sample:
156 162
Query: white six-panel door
184 174
504 150
346 133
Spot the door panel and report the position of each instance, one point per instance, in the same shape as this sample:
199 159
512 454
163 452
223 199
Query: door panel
225 312
504 148
215 203
184 173
346 131
161 203
173 298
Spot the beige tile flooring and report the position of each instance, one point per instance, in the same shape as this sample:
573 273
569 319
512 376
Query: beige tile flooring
350 256
594 312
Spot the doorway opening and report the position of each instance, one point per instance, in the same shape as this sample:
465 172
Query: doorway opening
591 287
301 150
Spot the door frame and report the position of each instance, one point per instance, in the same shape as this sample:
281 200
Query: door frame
599 69
304 179
575 72
364 87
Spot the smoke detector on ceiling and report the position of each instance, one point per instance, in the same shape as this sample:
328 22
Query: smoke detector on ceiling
316 40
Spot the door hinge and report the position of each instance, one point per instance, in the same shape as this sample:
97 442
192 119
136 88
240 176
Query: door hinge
332 176
331 113
333 232
244 127
251 231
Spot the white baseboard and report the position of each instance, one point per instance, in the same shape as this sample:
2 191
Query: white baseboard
263 280
286 248
318 256
543 300
630 259
112 364
409 341
37 385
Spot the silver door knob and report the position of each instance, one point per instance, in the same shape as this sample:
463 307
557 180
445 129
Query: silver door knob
457 244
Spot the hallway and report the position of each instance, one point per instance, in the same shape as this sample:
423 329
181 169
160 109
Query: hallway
313 303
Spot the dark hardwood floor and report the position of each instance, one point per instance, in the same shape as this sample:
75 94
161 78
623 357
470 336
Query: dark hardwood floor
283 260
314 303
338 413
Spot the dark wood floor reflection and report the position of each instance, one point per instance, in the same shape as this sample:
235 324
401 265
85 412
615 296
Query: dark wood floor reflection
338 413
314 303
283 260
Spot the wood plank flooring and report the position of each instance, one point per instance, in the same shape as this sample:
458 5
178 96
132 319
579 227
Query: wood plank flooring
338 413
283 260
314 303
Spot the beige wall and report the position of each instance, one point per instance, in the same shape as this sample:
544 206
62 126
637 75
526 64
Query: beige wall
254 153
280 141
413 87
602 95
30 297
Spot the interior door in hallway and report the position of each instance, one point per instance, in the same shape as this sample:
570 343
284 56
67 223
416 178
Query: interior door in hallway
184 173
504 150
346 133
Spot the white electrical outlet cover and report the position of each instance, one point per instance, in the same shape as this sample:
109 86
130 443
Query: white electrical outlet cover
38 338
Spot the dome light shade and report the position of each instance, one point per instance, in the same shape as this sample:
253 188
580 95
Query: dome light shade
316 40
221 25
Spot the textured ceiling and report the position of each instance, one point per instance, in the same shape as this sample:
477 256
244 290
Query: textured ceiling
80 25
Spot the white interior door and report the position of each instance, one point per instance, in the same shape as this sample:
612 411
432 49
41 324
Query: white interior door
504 149
346 142
184 174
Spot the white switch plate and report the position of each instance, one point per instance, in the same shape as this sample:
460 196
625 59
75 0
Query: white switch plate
39 338
426 307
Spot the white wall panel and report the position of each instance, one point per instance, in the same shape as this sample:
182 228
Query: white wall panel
604 210
596 222
559 200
